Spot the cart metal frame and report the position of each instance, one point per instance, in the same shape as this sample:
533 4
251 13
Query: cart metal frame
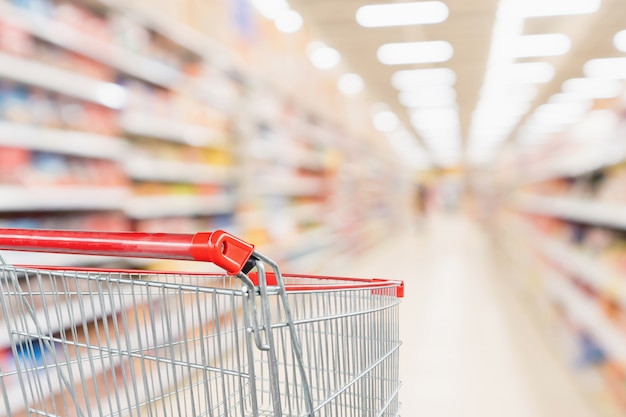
251 342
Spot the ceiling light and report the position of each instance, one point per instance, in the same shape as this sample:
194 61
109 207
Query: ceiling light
350 84
402 14
511 92
425 119
288 21
499 111
270 9
540 8
324 57
551 44
415 52
428 97
561 98
385 121
614 68
414 79
444 143
440 130
593 87
521 73
556 114
489 134
619 40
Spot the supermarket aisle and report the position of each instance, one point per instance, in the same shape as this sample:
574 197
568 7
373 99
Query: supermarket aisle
468 348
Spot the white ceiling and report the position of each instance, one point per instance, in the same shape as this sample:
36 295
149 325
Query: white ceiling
469 29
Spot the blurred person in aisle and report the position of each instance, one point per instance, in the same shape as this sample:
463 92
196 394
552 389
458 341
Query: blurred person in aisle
422 202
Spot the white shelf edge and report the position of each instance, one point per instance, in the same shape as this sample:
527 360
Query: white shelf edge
65 82
147 207
593 319
611 215
61 141
148 169
179 132
61 198
591 271
594 274
72 39
291 186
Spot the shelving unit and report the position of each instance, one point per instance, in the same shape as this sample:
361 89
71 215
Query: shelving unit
138 124
573 295
583 211
564 211
150 207
20 199
170 134
83 144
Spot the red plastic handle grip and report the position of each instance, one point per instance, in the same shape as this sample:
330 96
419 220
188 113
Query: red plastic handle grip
219 247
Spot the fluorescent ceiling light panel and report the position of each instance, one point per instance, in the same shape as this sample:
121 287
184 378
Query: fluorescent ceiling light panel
558 114
325 57
449 129
593 87
415 79
511 91
402 14
289 21
416 101
351 84
496 108
521 73
619 40
435 119
561 98
542 8
552 44
614 68
415 52
385 121
429 97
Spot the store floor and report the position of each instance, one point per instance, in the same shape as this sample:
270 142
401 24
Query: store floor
469 347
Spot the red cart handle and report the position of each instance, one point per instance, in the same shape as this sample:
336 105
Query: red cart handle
219 247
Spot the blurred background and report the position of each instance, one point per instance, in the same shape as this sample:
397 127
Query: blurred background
474 149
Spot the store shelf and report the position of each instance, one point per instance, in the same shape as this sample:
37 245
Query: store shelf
589 315
47 322
146 169
62 81
146 207
307 212
307 242
61 198
75 143
169 130
74 40
290 186
572 262
583 211
591 271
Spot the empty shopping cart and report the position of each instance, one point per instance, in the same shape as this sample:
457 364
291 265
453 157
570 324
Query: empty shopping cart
250 342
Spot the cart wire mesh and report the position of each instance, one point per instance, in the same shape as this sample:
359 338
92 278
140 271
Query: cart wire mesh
129 343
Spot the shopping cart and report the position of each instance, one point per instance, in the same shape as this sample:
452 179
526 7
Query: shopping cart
252 342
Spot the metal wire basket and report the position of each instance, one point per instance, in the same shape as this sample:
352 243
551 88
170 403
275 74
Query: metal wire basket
96 342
